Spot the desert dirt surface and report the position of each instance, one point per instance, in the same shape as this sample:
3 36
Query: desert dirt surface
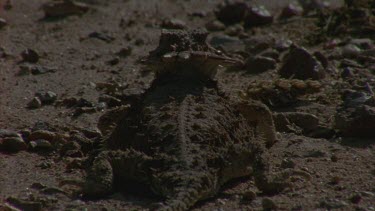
59 75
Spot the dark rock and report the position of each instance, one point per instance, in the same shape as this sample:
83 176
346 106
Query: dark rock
350 51
349 63
287 163
110 101
25 204
315 154
321 58
30 55
355 198
322 132
356 122
347 73
113 61
292 9
283 44
312 5
101 36
61 8
369 52
3 53
8 5
53 190
198 14
249 196
42 145
13 144
173 24
34 103
268 204
296 122
354 98
3 22
234 30
270 53
232 12
84 110
300 64
69 102
90 132
215 26
227 43
84 103
125 52
47 97
41 125
38 186
139 42
259 64
333 204
258 16
27 69
363 43
42 134
4 133
257 44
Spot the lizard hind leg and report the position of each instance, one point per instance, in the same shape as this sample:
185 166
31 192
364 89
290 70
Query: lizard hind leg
111 168
187 192
99 179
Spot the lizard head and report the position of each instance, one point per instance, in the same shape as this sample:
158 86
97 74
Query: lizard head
187 52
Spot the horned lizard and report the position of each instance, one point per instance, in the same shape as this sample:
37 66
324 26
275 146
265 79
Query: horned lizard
185 138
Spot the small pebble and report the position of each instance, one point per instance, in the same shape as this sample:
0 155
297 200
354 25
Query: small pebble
333 204
258 16
35 103
271 53
124 52
13 144
347 73
287 163
249 195
350 51
335 180
356 198
30 55
47 97
215 26
3 22
334 158
259 64
232 12
234 30
4 133
268 204
61 8
24 204
101 36
41 144
42 134
292 9
283 44
27 69
8 5
113 61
